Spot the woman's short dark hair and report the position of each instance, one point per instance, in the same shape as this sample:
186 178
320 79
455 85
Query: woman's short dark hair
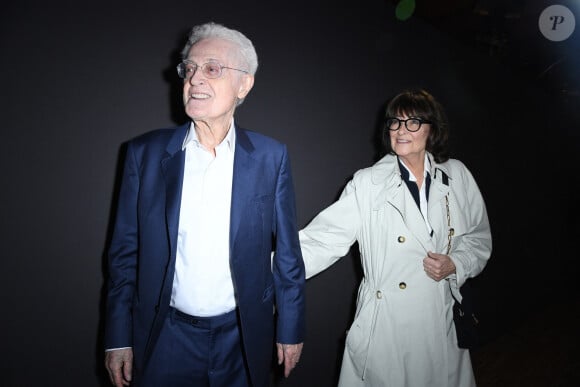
421 104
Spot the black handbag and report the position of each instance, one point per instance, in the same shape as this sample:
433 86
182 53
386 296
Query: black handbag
464 317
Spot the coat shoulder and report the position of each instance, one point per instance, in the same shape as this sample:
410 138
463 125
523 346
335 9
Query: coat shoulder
372 180
382 171
260 145
455 169
453 165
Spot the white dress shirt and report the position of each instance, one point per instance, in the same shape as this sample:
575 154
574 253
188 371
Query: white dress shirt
202 284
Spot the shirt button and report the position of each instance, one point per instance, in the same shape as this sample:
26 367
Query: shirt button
401 239
402 286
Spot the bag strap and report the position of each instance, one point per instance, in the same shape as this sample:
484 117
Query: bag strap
451 230
445 180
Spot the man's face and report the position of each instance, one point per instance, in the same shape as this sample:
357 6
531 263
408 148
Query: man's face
213 101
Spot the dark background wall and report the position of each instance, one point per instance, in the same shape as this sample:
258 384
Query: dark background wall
79 78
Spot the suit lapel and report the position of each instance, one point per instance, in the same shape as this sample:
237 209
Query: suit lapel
243 179
172 166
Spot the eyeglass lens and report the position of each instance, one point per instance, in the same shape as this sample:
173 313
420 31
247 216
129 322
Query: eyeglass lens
412 124
209 70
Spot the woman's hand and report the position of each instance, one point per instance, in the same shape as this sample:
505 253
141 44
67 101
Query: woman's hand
438 266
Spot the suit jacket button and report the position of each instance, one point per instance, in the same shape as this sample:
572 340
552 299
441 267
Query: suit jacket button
402 286
401 239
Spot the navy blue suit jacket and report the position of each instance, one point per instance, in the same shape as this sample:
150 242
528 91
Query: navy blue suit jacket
263 219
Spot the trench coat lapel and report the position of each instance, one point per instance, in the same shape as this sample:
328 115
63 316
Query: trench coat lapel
412 216
436 210
395 193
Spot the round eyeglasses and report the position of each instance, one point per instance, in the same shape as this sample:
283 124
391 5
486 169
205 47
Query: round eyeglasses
412 124
211 70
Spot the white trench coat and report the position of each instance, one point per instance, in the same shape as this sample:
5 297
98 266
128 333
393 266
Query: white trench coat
403 333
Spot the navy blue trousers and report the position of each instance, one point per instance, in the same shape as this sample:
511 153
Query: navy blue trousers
197 352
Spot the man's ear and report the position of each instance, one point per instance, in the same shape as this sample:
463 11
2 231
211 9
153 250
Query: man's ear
246 85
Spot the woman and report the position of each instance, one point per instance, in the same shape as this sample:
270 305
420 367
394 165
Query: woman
412 257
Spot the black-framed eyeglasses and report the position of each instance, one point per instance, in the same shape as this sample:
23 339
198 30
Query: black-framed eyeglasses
211 70
412 124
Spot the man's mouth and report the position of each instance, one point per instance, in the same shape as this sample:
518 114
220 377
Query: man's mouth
198 96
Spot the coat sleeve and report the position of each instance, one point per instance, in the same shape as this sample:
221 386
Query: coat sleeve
122 259
329 236
472 248
287 263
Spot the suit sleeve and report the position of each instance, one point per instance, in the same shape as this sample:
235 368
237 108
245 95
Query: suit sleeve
287 263
122 259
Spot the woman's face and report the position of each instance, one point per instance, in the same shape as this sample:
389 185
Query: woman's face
409 145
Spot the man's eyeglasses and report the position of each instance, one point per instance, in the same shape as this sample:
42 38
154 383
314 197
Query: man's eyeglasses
211 70
412 124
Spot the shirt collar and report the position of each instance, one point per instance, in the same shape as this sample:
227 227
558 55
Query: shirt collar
229 140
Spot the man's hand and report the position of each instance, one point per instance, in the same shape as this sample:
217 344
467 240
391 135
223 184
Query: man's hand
119 364
289 354
438 266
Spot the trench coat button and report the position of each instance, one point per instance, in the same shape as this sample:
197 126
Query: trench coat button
379 294
402 286
401 239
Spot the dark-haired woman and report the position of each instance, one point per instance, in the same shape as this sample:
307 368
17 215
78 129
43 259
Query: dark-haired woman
422 230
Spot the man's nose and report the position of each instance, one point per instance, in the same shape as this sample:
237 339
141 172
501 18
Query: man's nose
196 76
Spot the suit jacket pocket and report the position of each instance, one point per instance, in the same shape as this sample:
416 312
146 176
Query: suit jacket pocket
268 294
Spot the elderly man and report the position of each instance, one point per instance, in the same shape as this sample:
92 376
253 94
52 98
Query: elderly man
193 289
